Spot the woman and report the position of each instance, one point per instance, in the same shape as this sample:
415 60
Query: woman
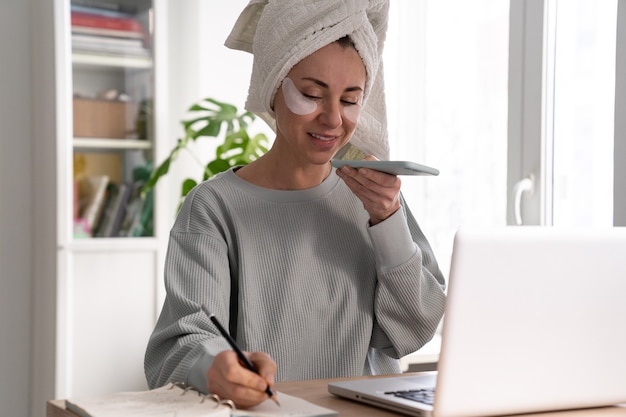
317 272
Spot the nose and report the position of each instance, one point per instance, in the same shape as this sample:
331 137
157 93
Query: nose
331 114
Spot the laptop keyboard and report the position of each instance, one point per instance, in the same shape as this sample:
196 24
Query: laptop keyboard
423 395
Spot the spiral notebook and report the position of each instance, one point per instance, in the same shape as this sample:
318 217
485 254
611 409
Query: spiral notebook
182 400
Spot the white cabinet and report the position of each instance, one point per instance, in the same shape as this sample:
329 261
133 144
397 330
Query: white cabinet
98 294
110 304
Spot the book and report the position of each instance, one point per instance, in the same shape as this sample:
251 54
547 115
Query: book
109 32
110 12
76 199
98 6
134 209
103 42
102 25
93 192
96 42
112 50
93 20
185 401
139 218
118 210
107 210
114 210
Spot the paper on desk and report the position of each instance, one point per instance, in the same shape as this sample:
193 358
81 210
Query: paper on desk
289 407
160 402
173 401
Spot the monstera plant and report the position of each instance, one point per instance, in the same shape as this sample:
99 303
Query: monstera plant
210 118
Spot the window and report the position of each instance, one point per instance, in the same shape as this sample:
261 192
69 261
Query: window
490 92
584 99
446 66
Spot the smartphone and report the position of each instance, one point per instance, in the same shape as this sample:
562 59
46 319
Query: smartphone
389 167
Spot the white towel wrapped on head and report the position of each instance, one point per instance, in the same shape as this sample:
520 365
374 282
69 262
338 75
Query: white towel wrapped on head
280 33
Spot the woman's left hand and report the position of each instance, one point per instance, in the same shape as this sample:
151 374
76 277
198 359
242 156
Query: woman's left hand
378 191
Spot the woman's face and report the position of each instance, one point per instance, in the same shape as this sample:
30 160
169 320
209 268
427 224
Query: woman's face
318 105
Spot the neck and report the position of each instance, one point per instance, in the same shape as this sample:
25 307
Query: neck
270 171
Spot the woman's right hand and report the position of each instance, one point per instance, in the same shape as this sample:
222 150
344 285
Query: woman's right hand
230 379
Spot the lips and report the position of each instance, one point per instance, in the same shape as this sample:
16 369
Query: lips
323 137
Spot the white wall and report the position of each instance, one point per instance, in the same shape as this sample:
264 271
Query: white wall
201 66
16 236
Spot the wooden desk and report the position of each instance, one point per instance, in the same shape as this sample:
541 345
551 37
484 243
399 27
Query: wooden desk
316 392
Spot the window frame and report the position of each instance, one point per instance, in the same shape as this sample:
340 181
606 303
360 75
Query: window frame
531 112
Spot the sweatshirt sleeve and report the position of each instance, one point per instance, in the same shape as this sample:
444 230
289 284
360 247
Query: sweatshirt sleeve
183 342
410 295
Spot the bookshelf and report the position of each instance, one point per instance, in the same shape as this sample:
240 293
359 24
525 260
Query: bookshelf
112 85
98 293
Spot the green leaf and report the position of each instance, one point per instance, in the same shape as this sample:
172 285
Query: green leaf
257 146
155 176
211 129
215 167
187 186
212 118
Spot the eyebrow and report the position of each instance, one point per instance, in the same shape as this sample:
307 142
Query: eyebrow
324 85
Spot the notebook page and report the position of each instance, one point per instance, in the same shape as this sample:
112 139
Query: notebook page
167 401
290 406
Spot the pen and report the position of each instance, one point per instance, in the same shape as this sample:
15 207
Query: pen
240 354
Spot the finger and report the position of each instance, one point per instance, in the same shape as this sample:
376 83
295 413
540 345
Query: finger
229 379
242 396
265 365
370 177
373 177
379 202
370 186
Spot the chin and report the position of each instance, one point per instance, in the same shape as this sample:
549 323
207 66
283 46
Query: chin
321 158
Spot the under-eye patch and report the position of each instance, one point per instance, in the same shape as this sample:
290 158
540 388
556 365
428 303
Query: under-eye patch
352 112
297 102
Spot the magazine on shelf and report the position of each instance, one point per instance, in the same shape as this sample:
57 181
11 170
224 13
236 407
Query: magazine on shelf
105 25
109 45
101 6
130 24
109 12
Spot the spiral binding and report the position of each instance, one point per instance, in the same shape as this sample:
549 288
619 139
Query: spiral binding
203 397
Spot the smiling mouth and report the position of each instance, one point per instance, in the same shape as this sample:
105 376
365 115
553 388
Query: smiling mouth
324 138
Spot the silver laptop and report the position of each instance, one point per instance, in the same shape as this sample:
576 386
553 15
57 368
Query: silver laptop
535 321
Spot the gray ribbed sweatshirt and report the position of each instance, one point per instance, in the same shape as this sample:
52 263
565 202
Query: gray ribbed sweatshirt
309 282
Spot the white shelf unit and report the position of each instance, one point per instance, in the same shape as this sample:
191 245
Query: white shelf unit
107 289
